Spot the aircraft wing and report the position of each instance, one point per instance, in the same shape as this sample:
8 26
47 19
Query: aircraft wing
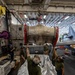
71 42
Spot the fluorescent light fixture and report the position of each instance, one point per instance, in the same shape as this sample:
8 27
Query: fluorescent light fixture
66 17
27 22
59 22
74 23
25 16
42 22
12 22
44 16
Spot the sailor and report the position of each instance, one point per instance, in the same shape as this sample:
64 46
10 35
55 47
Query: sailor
46 49
33 67
58 63
12 49
22 56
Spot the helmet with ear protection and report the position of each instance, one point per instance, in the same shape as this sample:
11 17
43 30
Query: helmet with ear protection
35 60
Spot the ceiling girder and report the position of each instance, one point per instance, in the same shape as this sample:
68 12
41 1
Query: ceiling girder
50 9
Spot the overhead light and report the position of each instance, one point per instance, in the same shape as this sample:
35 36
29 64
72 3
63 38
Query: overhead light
74 23
27 22
44 16
66 17
42 22
15 23
25 16
59 22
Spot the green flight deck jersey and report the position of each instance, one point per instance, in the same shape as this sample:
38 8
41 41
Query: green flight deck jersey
33 69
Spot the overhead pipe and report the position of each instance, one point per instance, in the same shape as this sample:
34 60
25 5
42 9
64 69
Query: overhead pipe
53 18
59 19
48 18
67 23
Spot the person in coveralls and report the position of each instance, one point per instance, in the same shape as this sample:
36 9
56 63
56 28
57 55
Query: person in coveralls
33 67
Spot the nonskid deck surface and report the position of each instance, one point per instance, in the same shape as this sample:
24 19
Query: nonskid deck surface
46 67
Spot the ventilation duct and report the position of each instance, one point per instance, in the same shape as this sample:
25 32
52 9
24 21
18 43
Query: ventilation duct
40 3
37 1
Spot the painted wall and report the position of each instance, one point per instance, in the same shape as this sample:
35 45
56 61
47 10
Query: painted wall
16 32
2 24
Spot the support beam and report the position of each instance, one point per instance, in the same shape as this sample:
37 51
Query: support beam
61 9
21 8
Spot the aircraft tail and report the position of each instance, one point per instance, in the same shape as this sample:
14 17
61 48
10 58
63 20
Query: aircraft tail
71 34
